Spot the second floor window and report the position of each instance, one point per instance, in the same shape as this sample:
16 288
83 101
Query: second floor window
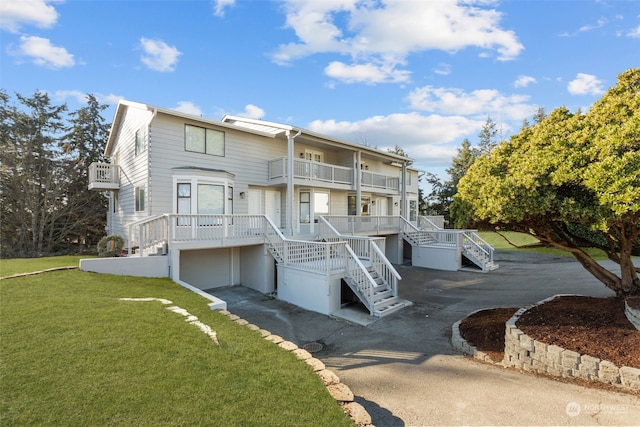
140 141
202 140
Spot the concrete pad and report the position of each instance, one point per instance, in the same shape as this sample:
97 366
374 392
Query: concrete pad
404 371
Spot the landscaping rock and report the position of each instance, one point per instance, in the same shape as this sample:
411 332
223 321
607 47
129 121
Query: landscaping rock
357 413
328 377
340 392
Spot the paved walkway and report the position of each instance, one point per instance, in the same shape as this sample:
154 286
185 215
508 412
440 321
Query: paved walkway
404 371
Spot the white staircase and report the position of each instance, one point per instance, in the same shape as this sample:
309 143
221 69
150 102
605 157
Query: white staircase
473 247
369 273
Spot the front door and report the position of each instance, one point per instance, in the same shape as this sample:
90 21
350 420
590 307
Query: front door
272 206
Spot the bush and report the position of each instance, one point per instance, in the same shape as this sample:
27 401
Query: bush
110 246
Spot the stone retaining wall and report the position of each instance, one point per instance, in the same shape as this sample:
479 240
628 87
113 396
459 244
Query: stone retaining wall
633 314
523 352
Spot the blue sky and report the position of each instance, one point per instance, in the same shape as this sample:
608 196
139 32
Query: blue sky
420 74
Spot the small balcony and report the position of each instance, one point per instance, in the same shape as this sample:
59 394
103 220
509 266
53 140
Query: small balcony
329 175
104 176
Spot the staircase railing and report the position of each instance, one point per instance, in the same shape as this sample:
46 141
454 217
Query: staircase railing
364 248
361 280
475 246
148 235
275 239
433 222
384 268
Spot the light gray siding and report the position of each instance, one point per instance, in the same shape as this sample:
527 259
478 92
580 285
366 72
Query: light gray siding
246 157
134 169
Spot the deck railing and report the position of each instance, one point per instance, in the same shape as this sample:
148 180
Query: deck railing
307 169
190 228
350 224
149 236
104 176
328 173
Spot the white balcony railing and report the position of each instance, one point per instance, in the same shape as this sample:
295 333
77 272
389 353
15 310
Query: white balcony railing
104 176
328 173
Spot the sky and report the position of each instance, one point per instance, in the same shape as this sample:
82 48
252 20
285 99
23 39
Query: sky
420 74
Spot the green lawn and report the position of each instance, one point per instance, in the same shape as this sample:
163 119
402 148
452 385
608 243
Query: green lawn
9 267
73 354
523 240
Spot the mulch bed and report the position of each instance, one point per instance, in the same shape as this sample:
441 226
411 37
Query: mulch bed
592 326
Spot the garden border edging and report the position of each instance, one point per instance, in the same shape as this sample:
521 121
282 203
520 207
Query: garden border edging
523 352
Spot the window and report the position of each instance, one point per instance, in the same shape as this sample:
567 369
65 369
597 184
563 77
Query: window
320 204
210 199
413 210
116 205
351 202
365 201
201 140
140 141
140 193
305 207
230 200
315 156
184 198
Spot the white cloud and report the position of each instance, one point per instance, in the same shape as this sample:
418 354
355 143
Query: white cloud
524 81
366 73
188 107
385 33
16 13
423 137
585 84
63 95
479 102
158 55
252 112
81 97
443 69
220 5
589 27
634 33
43 53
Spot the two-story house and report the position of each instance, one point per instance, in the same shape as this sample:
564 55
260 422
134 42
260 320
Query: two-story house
316 220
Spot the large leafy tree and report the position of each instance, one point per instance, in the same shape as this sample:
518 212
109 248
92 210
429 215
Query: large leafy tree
572 181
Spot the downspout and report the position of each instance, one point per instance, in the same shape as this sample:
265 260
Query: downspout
403 196
358 170
290 161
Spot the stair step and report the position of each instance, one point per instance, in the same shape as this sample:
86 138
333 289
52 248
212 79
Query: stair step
394 304
382 296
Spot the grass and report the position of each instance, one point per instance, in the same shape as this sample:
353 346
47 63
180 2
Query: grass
73 354
527 243
9 267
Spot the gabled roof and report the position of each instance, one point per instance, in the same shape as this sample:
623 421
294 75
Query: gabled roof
278 128
257 127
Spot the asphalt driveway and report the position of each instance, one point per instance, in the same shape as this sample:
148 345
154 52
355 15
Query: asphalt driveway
404 371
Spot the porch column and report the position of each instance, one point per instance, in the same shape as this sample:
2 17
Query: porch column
403 196
358 172
290 172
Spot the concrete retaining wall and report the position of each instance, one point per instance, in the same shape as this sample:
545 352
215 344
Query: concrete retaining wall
523 352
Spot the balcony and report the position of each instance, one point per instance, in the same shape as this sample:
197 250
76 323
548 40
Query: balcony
325 174
104 176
